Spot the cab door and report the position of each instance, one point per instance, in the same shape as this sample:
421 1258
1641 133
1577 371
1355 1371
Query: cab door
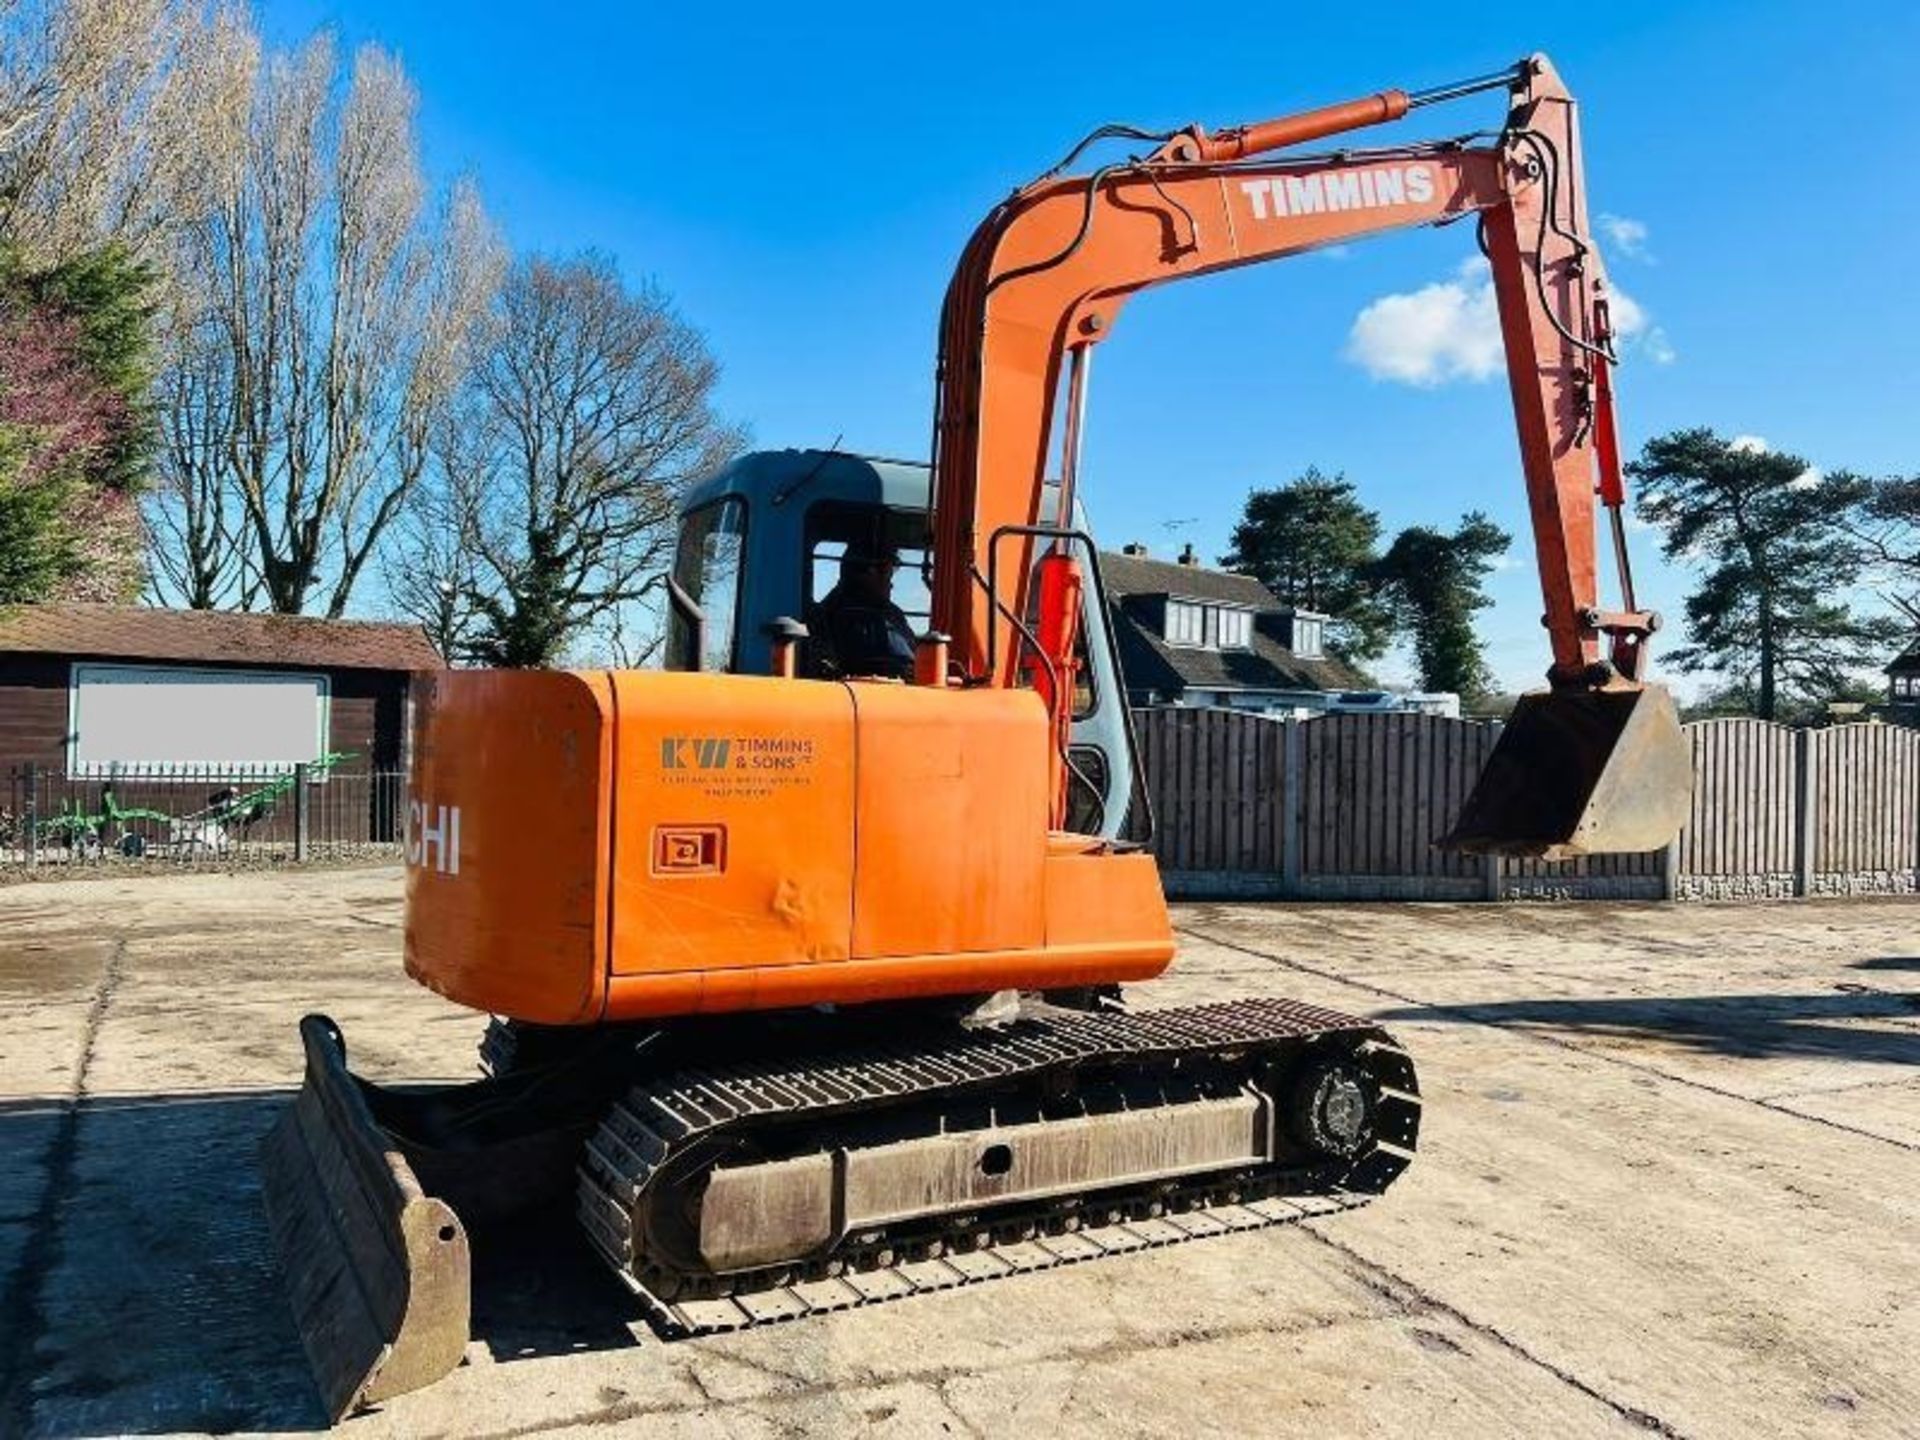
704 587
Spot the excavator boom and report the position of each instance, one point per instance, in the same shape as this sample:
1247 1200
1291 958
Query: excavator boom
1043 282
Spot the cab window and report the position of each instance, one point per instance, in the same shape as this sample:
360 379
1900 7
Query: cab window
707 570
839 529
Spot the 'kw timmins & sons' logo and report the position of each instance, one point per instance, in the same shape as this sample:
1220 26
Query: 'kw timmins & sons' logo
694 752
763 755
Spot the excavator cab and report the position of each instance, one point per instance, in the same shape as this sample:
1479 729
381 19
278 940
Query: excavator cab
766 538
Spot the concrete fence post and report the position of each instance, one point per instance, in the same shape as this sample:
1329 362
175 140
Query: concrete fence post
302 816
1293 803
1805 795
1494 872
1670 871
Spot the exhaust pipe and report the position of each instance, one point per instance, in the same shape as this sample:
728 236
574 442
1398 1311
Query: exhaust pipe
1581 772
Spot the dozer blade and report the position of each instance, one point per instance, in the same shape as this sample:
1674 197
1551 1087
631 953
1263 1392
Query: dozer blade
1581 773
378 1272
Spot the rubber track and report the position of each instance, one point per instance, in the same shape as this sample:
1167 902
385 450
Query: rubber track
660 1119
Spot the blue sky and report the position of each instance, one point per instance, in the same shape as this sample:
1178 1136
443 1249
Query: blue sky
801 178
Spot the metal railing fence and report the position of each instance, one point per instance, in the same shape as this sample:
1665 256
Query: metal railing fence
199 814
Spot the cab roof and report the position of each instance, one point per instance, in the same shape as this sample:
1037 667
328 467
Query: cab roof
780 475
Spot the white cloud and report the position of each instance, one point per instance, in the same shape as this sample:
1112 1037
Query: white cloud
1807 479
1634 329
1629 318
1450 330
1626 235
1749 444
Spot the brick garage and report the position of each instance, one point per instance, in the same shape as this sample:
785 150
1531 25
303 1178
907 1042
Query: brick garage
68 672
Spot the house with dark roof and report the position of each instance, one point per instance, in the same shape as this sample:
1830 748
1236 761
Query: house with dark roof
1189 635
1903 686
91 690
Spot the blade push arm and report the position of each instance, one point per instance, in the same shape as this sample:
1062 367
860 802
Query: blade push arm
1048 272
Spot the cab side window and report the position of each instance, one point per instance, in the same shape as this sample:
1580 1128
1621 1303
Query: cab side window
707 571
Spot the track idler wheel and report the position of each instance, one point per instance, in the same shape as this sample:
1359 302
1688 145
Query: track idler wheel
1332 1108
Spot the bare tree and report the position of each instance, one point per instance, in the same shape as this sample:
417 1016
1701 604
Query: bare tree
198 552
633 635
102 106
332 311
312 302
587 408
201 550
106 110
429 570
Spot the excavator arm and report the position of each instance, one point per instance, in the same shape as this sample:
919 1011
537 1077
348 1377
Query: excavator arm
1043 281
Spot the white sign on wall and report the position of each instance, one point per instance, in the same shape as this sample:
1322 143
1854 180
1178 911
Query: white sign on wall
135 716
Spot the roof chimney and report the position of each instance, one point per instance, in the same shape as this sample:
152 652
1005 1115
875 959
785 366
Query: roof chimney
1133 547
1187 557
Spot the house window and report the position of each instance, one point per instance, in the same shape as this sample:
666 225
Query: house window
135 716
1308 637
1186 624
1213 626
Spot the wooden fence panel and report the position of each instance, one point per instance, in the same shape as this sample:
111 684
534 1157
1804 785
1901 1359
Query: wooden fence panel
1744 799
1380 789
1215 779
1375 792
1866 788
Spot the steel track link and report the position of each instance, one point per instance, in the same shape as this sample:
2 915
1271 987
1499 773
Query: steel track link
660 1123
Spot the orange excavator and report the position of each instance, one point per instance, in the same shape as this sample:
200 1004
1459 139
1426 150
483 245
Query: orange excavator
805 965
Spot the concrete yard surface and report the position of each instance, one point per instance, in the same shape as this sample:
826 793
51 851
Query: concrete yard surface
1669 1182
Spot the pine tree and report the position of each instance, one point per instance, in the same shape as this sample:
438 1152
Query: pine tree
1313 544
1769 537
1434 585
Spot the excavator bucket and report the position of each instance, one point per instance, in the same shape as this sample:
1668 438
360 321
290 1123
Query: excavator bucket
1581 773
378 1271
